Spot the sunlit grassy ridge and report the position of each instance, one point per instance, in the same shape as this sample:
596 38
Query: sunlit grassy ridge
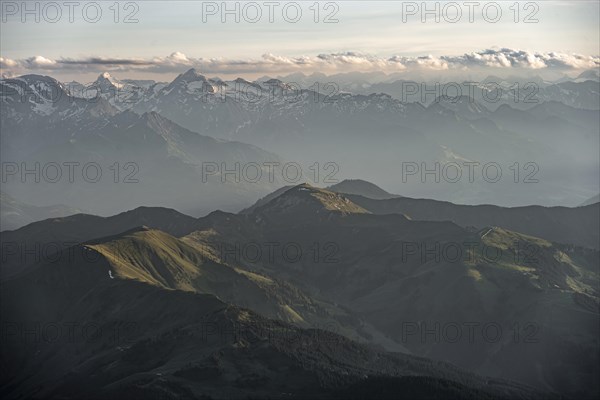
193 264
547 265
308 198
368 286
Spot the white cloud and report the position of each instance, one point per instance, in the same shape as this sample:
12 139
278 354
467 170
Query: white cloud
327 63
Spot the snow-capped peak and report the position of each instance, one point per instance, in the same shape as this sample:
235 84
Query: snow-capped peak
107 79
192 74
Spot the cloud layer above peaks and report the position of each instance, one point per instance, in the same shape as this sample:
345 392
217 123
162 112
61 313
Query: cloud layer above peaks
488 59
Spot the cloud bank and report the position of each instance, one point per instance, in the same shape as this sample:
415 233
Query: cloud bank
327 63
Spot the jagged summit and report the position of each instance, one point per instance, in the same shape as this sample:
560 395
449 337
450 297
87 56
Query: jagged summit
190 76
153 116
242 80
275 82
191 73
464 105
105 79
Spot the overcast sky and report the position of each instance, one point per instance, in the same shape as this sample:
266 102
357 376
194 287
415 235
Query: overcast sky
170 37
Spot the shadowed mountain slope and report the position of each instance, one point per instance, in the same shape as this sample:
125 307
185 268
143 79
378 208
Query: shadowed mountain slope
578 226
406 281
136 340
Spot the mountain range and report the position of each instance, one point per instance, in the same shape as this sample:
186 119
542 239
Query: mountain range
359 289
194 121
227 249
117 157
15 214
